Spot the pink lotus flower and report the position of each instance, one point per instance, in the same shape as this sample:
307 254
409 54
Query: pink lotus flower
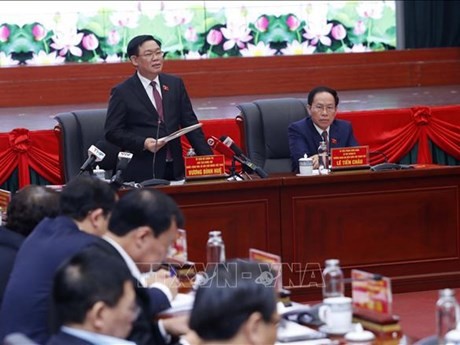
318 32
262 24
90 42
67 42
214 37
236 34
4 33
113 38
39 32
338 32
190 34
292 22
360 27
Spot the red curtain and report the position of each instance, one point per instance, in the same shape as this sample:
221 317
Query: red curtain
395 132
25 150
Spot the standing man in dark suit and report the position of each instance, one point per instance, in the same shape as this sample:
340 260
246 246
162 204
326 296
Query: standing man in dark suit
151 105
304 135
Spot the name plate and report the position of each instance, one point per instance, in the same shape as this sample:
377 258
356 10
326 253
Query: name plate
350 157
204 166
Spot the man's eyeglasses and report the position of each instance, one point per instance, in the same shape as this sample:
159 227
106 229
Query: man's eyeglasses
321 108
150 54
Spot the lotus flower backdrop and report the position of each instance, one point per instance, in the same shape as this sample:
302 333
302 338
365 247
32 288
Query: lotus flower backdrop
48 32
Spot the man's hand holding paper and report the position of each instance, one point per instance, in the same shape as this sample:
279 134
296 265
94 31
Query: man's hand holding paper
153 145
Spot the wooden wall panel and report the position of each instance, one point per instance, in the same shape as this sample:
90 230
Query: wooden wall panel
88 83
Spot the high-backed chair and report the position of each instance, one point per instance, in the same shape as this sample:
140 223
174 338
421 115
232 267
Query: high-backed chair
265 123
79 130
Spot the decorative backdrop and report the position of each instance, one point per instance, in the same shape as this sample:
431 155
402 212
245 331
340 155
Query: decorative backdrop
49 32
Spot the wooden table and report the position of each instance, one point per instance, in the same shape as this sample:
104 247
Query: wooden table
402 224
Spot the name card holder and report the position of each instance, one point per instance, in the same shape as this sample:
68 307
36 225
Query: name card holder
356 157
211 166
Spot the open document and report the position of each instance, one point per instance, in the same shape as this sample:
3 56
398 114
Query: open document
180 132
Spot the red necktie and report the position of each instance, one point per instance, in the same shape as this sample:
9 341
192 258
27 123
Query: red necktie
158 101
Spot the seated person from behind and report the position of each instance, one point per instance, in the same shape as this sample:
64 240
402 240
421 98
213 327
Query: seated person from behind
28 206
305 135
94 299
235 306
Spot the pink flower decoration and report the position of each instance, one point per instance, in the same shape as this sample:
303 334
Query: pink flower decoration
262 24
113 38
214 37
165 88
90 42
190 34
338 32
4 33
292 22
39 32
360 28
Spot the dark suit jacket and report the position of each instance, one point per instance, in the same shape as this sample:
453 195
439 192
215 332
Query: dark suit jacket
151 301
62 338
9 245
304 138
131 118
27 300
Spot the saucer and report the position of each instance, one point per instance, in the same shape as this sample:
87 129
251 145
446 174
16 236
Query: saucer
327 330
303 174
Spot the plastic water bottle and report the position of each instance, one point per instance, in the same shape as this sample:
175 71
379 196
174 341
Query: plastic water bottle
215 248
323 157
446 314
191 152
333 279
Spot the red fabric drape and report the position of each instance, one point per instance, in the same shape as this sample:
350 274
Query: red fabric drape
26 149
392 131
395 132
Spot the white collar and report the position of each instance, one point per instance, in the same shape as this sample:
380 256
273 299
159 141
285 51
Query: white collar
128 260
320 131
96 338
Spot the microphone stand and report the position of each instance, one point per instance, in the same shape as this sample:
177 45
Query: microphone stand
233 174
155 181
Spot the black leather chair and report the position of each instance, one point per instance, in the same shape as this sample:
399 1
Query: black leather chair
79 130
265 123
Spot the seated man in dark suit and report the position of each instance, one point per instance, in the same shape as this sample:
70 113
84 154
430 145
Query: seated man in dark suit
85 206
28 206
143 225
236 306
305 135
95 300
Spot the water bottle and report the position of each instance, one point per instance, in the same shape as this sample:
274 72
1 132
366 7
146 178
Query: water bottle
446 314
333 279
191 152
215 248
323 157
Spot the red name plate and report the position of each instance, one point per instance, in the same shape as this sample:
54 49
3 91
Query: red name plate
350 157
204 166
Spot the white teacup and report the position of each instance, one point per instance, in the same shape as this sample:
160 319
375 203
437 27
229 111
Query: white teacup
305 166
336 313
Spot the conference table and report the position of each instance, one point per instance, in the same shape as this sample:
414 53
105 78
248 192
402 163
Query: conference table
403 224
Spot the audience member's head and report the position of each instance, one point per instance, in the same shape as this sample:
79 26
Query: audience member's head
145 222
88 200
322 106
29 205
237 305
94 292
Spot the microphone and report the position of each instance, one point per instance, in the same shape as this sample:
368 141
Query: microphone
239 156
94 155
219 146
123 160
379 153
155 181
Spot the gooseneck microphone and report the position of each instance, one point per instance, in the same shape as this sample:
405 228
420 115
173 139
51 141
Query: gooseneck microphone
219 146
94 155
239 156
155 181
